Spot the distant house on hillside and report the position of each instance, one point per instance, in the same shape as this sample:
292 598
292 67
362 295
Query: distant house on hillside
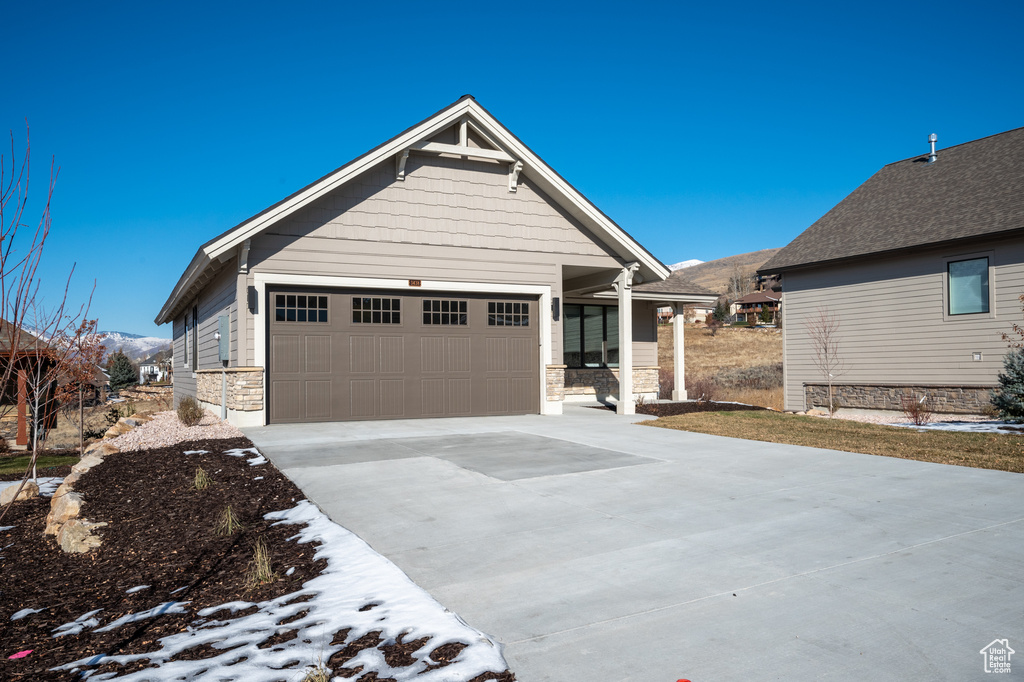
923 264
751 308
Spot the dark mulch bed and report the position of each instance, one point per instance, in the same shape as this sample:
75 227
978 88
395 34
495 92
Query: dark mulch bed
689 407
161 534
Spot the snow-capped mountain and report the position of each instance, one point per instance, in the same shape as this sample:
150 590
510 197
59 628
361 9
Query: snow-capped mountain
135 346
685 264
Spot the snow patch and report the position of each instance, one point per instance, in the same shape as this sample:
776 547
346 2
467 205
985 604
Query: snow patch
242 452
197 452
973 427
18 615
84 621
685 264
166 607
47 486
133 590
354 576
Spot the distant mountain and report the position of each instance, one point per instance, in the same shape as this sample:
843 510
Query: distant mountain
685 264
715 274
135 346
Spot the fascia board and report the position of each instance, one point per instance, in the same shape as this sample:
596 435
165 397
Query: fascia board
199 263
346 173
668 298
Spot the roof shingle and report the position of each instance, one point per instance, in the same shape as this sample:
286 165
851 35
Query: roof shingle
972 190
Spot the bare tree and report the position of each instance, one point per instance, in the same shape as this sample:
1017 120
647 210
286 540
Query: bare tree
741 283
21 250
86 350
823 330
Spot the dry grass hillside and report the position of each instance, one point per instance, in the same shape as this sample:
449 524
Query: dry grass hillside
715 273
736 364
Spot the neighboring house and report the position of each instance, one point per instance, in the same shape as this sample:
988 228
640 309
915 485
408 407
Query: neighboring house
923 264
751 307
23 356
447 272
150 371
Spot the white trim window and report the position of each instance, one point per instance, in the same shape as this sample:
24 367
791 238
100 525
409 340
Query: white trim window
968 286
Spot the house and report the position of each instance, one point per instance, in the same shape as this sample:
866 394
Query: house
154 368
922 266
751 308
448 271
25 364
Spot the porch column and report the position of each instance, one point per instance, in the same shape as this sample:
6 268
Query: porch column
624 287
678 355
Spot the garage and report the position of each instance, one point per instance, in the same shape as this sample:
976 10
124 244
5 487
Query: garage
340 355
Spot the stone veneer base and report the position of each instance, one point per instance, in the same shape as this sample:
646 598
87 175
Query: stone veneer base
941 399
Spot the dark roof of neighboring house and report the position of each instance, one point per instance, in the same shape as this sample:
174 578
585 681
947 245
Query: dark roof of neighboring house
674 284
25 341
972 190
760 297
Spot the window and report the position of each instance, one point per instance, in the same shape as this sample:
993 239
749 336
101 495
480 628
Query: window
376 310
508 314
186 345
591 336
195 334
298 308
968 286
437 311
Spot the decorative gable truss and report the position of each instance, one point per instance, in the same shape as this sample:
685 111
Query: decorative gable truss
462 148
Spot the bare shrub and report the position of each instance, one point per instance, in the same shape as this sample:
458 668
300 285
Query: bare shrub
189 412
260 571
666 383
228 524
761 377
202 480
916 410
823 331
701 389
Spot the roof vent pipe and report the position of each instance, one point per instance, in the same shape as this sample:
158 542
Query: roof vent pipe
932 139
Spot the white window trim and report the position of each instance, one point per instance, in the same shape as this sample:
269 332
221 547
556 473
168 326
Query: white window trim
969 317
264 280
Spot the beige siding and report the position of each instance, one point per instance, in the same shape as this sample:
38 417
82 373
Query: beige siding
645 334
446 202
217 298
893 326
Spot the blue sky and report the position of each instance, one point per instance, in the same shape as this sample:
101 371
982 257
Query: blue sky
704 130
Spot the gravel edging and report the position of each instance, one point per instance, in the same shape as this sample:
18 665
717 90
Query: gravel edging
166 430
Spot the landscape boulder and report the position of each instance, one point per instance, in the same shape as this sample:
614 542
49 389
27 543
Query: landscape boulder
76 536
63 508
28 491
100 448
86 463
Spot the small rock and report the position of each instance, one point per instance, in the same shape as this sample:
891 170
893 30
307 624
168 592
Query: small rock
100 448
86 463
76 536
62 510
141 418
29 491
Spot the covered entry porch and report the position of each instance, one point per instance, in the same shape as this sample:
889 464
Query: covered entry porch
607 321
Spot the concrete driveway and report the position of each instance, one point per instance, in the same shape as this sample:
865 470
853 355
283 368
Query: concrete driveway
601 550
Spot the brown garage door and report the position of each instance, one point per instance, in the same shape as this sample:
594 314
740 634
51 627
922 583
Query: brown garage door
347 355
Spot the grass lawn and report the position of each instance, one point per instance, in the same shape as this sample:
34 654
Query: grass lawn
980 450
17 465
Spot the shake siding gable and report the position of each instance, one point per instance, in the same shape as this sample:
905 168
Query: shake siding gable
893 322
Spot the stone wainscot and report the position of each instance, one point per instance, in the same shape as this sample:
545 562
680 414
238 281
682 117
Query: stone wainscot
244 388
940 399
596 383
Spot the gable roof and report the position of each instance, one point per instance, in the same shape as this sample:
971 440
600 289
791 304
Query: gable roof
760 297
972 190
674 285
222 248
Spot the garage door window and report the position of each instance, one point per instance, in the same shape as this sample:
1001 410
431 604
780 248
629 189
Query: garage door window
508 314
445 312
376 310
298 308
